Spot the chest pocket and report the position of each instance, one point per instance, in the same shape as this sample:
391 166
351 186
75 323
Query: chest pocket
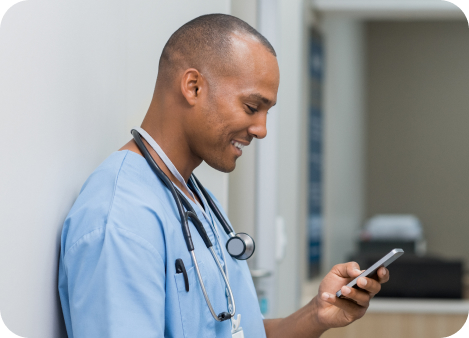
197 321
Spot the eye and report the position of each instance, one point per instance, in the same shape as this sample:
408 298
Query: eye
252 109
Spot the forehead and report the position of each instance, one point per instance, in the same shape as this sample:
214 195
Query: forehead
255 70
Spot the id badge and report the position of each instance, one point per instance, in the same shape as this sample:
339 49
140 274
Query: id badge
238 334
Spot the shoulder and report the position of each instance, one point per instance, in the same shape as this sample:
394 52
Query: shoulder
95 198
122 192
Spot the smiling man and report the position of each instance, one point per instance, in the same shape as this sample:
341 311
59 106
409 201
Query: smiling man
122 245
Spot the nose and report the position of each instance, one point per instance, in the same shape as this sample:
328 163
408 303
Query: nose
258 128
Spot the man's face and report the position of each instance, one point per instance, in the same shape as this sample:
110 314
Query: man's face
234 110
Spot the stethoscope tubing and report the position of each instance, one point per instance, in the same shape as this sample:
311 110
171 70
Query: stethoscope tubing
229 231
157 170
180 200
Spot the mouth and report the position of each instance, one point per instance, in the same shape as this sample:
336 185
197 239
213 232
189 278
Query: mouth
238 146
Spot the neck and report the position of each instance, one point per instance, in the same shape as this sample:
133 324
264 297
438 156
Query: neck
165 129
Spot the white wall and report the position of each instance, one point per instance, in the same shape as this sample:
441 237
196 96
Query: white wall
75 77
291 152
266 177
343 137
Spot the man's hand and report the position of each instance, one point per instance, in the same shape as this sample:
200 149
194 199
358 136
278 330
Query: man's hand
326 311
335 312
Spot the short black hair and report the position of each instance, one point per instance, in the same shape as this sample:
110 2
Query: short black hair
205 41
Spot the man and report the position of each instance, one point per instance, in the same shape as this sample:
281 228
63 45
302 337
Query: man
217 79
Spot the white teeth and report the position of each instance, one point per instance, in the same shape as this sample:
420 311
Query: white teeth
237 145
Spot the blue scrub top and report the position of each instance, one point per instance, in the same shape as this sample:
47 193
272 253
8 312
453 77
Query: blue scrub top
117 275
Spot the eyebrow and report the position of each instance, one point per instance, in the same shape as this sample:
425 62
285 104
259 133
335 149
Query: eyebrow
262 98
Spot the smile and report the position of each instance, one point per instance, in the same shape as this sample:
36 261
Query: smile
237 145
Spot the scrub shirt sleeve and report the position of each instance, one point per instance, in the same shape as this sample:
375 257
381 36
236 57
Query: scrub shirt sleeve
116 285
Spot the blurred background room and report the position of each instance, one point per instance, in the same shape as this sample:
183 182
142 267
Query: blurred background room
371 155
367 148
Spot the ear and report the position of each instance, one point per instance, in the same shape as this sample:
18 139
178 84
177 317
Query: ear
192 84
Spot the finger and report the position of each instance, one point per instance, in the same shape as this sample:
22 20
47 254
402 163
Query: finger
354 311
347 270
361 297
369 284
383 275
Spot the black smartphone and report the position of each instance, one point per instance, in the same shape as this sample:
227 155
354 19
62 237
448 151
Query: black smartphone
371 271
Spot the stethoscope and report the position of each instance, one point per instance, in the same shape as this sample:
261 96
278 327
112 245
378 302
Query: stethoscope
239 245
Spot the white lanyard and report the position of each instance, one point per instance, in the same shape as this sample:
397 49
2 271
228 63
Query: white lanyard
236 330
164 158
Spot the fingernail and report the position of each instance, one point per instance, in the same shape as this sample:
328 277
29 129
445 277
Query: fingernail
346 290
384 272
357 270
325 296
363 281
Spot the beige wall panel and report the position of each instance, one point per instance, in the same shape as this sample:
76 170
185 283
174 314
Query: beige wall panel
418 119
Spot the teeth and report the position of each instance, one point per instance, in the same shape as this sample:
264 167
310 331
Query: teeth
237 145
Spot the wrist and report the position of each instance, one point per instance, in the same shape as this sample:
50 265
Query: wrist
304 323
314 309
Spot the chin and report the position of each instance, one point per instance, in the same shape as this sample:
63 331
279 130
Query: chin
223 167
226 169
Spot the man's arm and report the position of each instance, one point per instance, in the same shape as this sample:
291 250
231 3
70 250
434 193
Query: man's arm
326 311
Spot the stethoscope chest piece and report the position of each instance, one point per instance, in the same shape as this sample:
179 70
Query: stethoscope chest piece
240 246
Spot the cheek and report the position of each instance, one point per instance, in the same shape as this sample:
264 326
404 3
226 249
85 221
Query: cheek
216 125
222 121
